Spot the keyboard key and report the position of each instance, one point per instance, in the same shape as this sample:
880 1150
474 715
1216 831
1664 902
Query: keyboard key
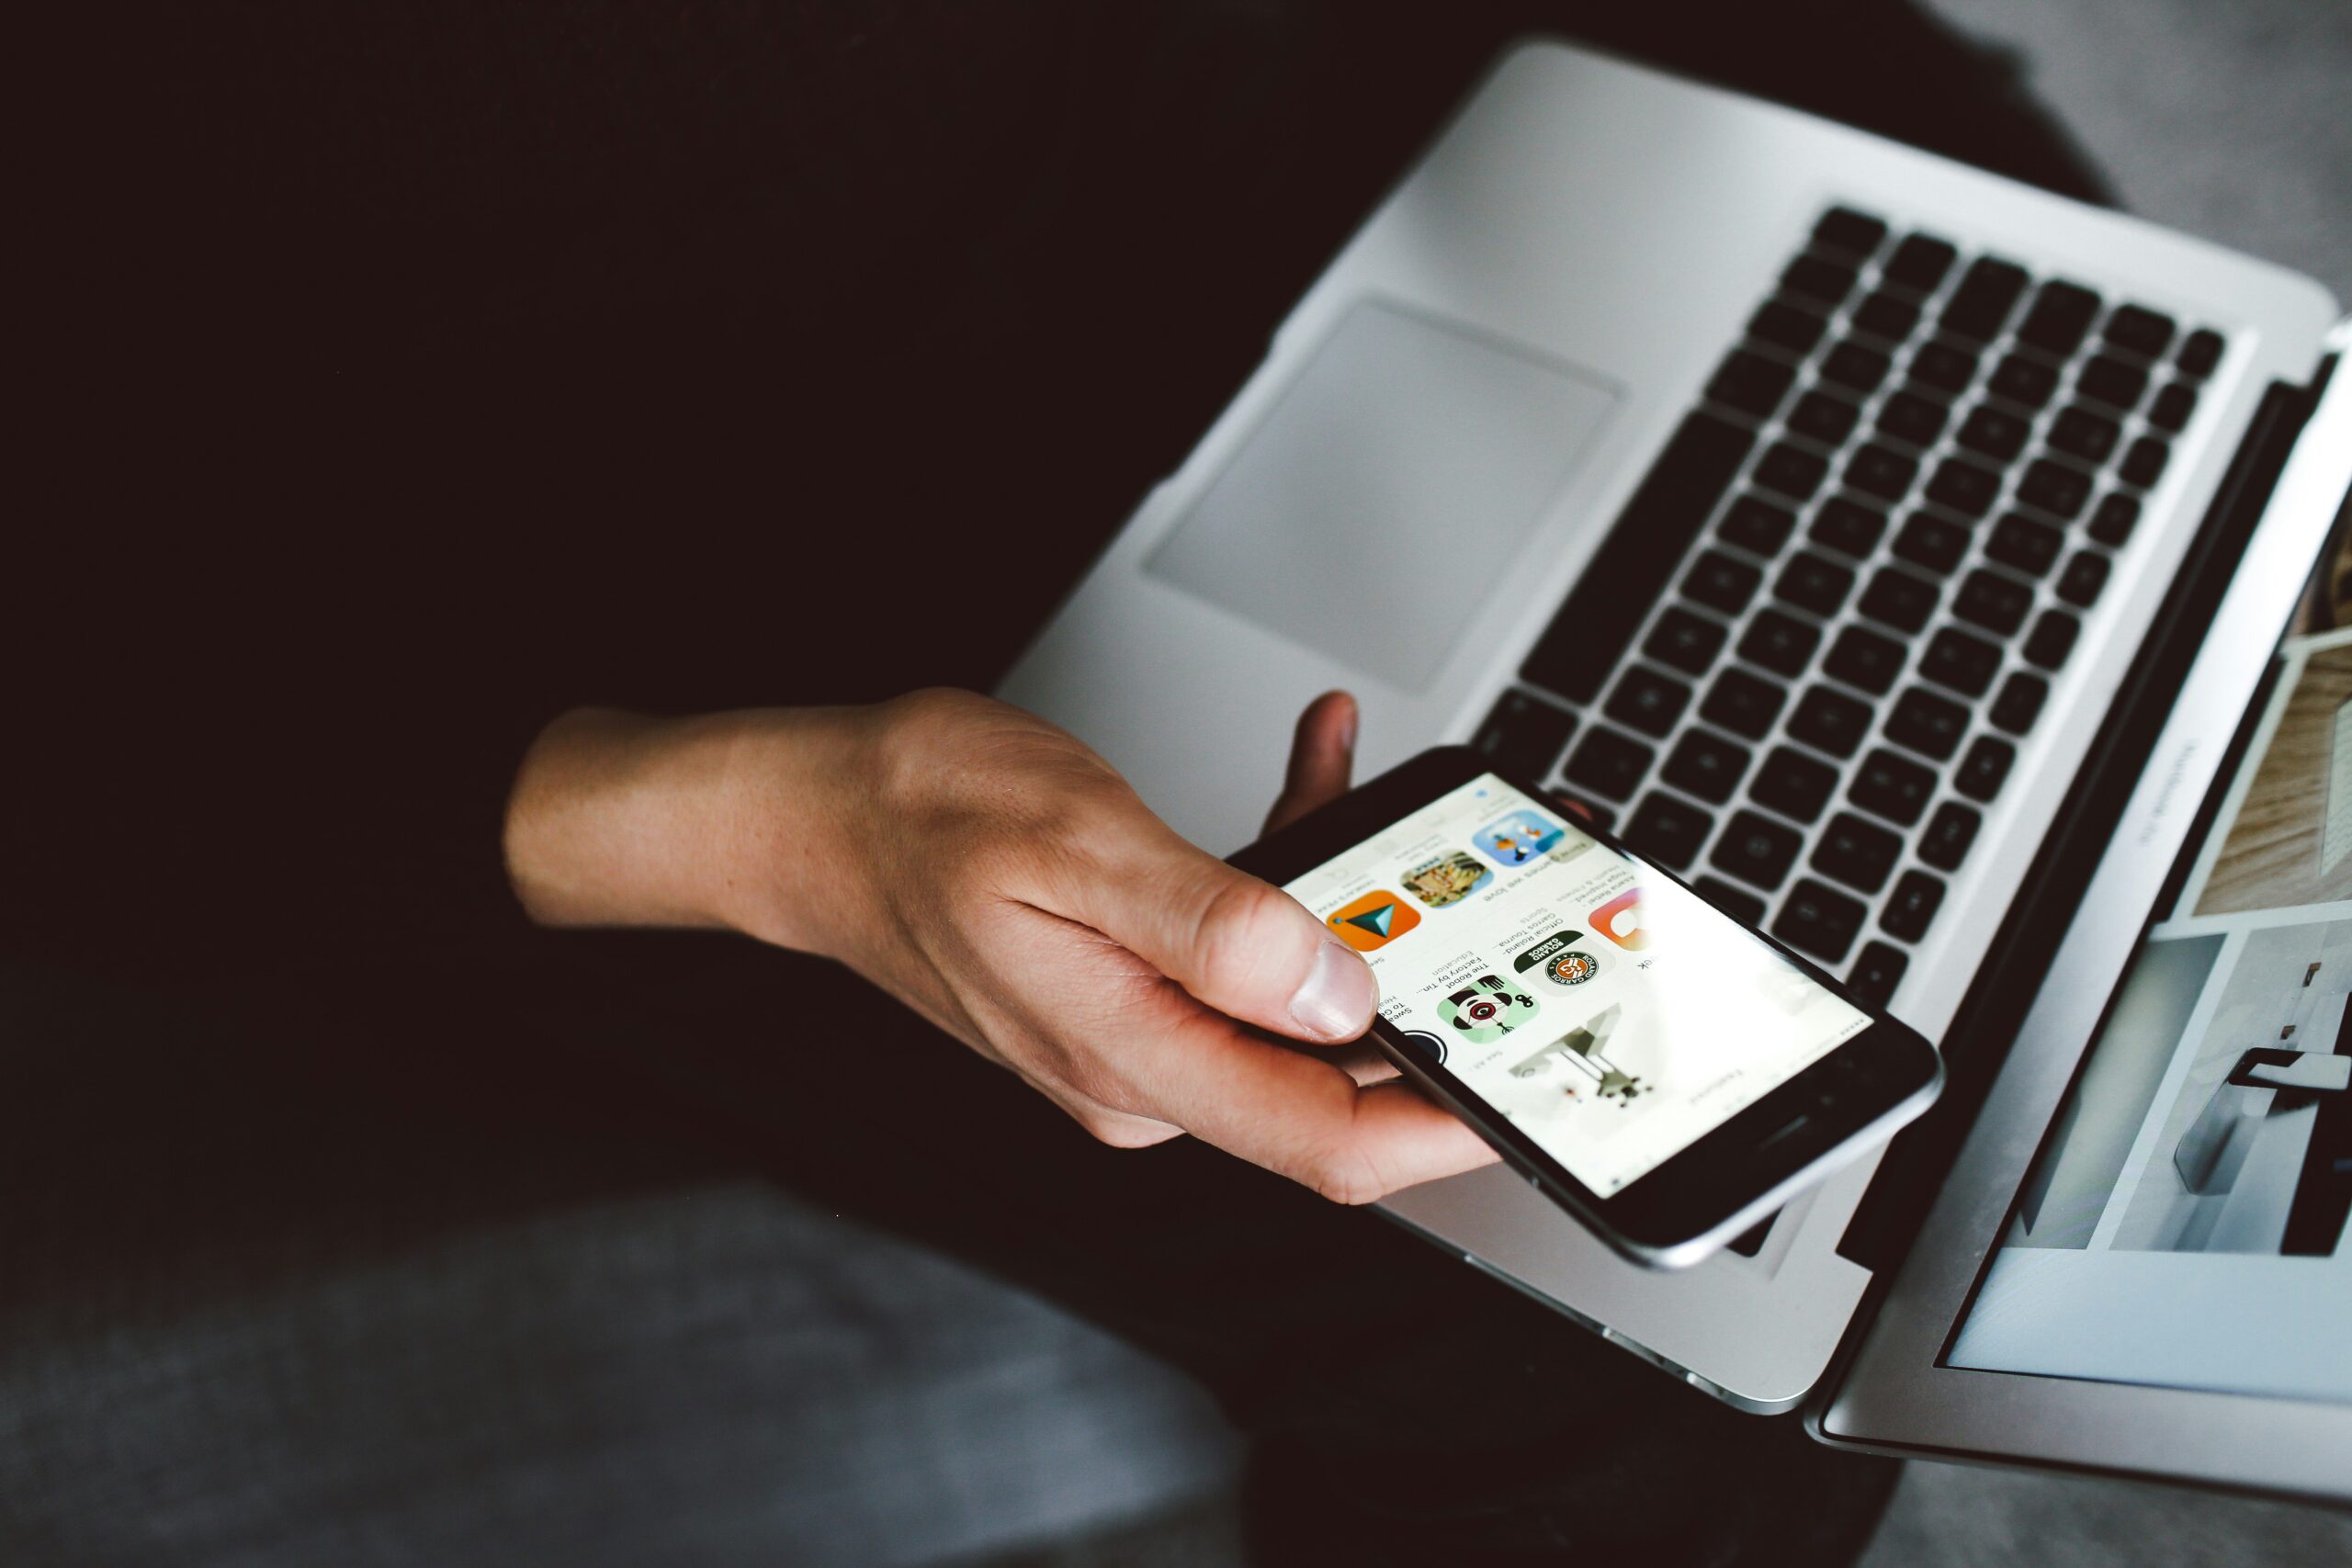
1909 417
1931 542
1820 921
1960 662
1843 229
2019 541
1609 763
1856 852
1784 326
1743 906
1596 624
2062 313
1794 784
2054 488
1950 832
2145 464
2141 330
2023 380
1999 435
1881 472
1685 641
1864 659
1888 316
1751 383
1755 524
1848 527
1820 279
1667 830
2113 382
1814 582
1743 704
1877 972
1987 293
1524 735
1647 701
1928 724
1983 769
1945 367
2019 702
2084 576
2173 407
1822 418
1706 764
1912 907
2116 517
1893 785
1899 599
1719 582
1791 470
1996 602
1830 720
2051 639
1852 363
1756 849
2079 433
1964 486
1781 644
1920 262
2200 353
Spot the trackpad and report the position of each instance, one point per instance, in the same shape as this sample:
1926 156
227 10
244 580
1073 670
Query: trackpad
1379 507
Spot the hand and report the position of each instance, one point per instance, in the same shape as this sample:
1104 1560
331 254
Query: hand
1002 879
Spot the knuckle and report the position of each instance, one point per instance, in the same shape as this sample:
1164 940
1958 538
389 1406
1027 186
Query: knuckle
1345 1176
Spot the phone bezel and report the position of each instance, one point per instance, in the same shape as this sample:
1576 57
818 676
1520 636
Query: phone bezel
1731 1176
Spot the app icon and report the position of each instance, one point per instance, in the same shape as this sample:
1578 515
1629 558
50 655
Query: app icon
1374 921
1449 879
1561 962
1620 921
1516 838
1487 1011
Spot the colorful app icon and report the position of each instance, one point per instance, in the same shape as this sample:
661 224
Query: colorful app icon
1516 838
1560 960
1449 879
1620 921
1374 921
1487 1011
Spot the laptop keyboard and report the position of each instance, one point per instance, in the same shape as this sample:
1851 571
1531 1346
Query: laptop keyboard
1798 669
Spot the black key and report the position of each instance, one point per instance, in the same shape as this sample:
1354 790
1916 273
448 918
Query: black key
1791 470
2173 406
1909 417
1865 659
2054 488
1816 278
1987 295
2200 353
1781 644
1960 662
2113 382
1931 542
1887 316
1706 764
1751 383
1964 486
2116 517
2062 313
1843 229
1667 830
1858 854
1685 641
1946 366
1743 905
1999 435
1899 599
2023 380
1823 418
1877 972
2051 639
1595 625
1893 785
1793 783
1911 907
2145 464
1814 582
2019 702
1743 704
1984 767
2079 433
1785 326
1524 735
1831 720
1881 472
1996 602
1920 262
1755 524
1647 701
1719 582
1819 919
2141 330
2019 541
1847 526
2084 576
1609 763
1756 849
1928 724
1852 364
1950 832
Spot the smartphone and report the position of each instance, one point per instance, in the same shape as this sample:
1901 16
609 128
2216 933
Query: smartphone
1666 1074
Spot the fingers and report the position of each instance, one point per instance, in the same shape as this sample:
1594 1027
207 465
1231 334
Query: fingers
1322 754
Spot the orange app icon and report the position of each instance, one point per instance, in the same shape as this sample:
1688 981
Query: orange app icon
1374 921
1620 921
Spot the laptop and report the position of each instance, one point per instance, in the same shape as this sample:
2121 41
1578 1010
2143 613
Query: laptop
1903 554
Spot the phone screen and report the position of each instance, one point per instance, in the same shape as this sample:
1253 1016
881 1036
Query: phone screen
1609 1014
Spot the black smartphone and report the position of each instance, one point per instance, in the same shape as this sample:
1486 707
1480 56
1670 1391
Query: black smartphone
1664 1073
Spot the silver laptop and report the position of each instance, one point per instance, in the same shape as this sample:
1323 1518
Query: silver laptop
1900 551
